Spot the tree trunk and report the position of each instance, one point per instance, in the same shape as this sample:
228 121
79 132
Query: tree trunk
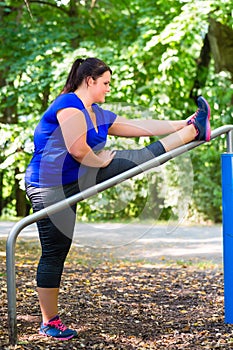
221 43
20 197
1 194
218 42
202 69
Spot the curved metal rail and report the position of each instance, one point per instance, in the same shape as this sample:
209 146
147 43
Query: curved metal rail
18 227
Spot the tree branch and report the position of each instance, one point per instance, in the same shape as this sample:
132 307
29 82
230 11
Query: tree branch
47 3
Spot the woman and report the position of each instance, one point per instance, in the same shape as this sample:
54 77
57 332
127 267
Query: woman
69 157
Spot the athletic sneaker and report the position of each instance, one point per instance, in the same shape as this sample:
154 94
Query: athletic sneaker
201 120
56 329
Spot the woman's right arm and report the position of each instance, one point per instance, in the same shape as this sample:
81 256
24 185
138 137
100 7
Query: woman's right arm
74 131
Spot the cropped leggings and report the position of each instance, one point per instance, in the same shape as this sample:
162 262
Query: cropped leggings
56 231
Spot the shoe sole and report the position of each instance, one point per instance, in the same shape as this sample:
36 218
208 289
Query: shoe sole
50 336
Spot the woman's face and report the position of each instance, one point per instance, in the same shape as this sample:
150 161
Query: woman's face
100 87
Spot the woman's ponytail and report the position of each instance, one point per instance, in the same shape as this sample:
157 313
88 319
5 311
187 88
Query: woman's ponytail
81 69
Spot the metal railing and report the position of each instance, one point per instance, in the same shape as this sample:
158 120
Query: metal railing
18 227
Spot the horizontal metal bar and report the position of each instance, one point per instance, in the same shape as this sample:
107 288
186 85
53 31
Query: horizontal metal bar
18 227
115 180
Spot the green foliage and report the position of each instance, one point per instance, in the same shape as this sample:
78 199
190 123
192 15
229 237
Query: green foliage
153 48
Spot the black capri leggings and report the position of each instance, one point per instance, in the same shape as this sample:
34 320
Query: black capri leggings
56 231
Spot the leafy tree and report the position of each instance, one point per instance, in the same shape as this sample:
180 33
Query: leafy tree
163 54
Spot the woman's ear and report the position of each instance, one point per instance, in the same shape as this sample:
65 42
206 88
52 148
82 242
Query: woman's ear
89 81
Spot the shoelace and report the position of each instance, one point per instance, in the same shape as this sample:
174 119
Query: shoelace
192 119
57 324
196 113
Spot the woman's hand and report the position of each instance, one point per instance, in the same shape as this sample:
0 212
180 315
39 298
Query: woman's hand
106 156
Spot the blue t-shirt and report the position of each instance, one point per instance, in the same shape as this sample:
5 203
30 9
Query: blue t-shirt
51 164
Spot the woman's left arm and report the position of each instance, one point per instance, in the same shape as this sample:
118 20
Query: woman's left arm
146 127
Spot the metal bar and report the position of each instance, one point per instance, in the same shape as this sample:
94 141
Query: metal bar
11 241
230 141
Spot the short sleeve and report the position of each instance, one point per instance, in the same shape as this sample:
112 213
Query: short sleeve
108 116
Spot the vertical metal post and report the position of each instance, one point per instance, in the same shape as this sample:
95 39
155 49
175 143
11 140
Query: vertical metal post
11 290
227 218
230 141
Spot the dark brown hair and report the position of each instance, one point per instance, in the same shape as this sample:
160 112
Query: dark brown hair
83 68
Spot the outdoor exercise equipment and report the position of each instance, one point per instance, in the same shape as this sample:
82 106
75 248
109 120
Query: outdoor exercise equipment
227 200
